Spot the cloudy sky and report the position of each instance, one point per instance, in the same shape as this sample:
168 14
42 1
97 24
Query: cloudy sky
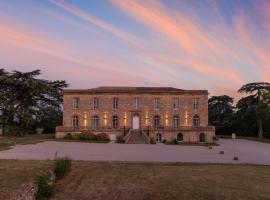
208 44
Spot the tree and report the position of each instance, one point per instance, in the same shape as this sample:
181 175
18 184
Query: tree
22 95
221 112
260 95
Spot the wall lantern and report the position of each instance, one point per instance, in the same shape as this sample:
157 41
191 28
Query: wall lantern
105 119
85 119
166 119
186 118
146 118
125 119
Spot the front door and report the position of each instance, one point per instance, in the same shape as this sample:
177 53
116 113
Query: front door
136 122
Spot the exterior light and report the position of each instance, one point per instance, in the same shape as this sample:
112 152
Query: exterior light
85 119
146 118
105 119
166 119
125 118
186 118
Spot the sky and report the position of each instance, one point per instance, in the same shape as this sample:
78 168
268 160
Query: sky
217 45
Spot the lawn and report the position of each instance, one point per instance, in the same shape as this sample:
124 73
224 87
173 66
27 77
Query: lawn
135 181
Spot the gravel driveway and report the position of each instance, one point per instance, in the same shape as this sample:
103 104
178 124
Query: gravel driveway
247 152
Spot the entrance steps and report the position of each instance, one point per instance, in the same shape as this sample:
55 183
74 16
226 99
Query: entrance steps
136 137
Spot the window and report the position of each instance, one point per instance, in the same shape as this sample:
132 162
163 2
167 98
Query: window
180 137
196 103
156 103
176 103
75 121
202 137
95 121
115 103
176 121
196 120
96 103
156 121
75 102
115 121
158 137
136 103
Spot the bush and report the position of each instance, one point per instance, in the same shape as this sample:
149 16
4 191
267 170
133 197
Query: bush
45 184
152 140
120 139
102 137
88 136
164 141
61 167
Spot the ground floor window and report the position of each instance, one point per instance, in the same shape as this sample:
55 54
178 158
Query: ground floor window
157 121
115 121
158 137
180 137
95 121
75 121
202 137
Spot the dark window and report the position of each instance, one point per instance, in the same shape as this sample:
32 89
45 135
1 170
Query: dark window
176 121
157 121
196 103
180 137
158 137
75 121
196 120
156 103
75 102
136 103
115 103
96 102
115 121
202 137
95 121
176 103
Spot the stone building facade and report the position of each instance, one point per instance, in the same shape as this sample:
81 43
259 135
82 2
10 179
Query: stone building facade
160 113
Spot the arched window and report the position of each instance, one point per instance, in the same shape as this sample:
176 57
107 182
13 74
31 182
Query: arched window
196 120
176 121
180 137
156 121
95 121
115 121
202 137
75 121
158 137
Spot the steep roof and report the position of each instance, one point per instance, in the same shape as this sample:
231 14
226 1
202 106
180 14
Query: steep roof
115 89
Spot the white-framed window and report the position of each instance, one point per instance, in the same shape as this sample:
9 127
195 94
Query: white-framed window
75 102
115 103
157 121
176 121
136 103
156 103
75 121
96 103
95 121
115 121
175 102
196 120
196 103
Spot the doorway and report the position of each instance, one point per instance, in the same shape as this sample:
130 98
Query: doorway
136 122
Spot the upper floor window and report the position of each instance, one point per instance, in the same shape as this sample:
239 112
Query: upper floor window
95 121
176 103
196 103
156 103
115 121
75 121
176 121
136 103
96 102
75 102
196 120
115 103
157 121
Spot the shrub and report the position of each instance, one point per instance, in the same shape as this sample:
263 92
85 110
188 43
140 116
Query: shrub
61 166
164 141
120 139
45 185
152 140
102 137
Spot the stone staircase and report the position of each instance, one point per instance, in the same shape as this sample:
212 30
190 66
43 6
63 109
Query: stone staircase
136 137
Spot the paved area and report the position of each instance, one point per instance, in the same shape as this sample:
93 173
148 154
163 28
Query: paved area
247 151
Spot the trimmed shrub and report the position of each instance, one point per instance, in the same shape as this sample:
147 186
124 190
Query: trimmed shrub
152 140
88 136
164 141
61 167
45 184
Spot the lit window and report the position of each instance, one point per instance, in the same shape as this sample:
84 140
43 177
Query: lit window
136 103
176 103
115 103
196 120
157 121
95 121
115 121
156 103
96 103
196 103
75 121
176 121
75 102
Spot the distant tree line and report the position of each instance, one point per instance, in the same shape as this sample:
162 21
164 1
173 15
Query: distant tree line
28 103
250 116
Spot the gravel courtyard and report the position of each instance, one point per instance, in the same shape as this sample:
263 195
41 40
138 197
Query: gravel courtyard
247 151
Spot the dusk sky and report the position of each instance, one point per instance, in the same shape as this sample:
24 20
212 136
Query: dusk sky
189 44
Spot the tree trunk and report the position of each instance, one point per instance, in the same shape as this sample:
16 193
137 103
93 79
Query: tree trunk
260 133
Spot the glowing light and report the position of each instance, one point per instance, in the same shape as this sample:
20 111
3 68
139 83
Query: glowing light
186 118
166 119
146 118
105 119
85 119
125 119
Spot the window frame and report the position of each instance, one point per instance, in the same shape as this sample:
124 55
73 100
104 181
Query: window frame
176 118
96 103
115 103
156 121
75 102
75 123
156 103
115 121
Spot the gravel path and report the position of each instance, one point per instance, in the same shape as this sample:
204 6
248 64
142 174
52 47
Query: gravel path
247 152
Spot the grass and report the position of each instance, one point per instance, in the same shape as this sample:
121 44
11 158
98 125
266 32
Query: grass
245 138
128 181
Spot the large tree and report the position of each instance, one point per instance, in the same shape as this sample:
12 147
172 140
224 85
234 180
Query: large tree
221 113
22 95
259 95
